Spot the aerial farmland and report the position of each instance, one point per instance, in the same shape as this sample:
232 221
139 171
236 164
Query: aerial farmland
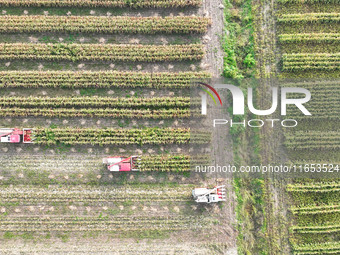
102 125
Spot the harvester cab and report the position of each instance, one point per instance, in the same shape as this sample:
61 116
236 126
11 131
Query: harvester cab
121 164
15 135
205 195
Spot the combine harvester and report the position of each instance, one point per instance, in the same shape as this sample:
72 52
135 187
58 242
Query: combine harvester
205 195
126 164
122 164
15 135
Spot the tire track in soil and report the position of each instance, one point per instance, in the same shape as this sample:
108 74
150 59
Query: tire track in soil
213 59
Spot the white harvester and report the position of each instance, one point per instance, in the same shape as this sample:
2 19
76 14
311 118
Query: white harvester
205 195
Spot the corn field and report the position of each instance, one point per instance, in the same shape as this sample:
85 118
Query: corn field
98 81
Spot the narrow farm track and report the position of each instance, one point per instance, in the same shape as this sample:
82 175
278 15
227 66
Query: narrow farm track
213 59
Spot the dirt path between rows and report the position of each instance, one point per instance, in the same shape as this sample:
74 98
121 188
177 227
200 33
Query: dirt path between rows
213 60
221 145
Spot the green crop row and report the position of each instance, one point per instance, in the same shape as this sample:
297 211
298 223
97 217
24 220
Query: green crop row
170 163
312 140
314 187
309 37
99 79
96 102
92 24
316 248
315 209
309 1
309 17
316 229
99 113
103 52
84 136
102 3
156 107
304 61
318 86
325 106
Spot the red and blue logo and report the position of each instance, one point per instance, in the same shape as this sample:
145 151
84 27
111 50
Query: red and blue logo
209 93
